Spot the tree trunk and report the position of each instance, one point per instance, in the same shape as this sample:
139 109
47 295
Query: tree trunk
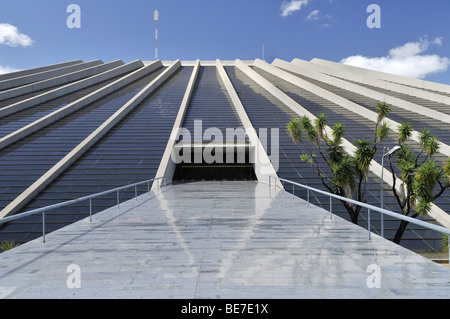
354 215
354 219
399 234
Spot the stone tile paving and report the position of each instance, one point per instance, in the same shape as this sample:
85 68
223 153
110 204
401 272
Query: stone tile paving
217 240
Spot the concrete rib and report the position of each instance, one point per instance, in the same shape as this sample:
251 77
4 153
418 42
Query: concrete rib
421 84
60 80
27 79
373 82
262 164
167 166
387 91
17 74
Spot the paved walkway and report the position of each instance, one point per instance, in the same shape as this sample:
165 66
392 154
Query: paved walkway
217 240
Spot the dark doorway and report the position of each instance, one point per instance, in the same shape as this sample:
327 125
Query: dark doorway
231 163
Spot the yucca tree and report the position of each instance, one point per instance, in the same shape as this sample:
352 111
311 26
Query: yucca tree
420 179
347 173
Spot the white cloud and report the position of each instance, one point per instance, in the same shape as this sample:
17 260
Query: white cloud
406 60
438 41
7 69
10 36
327 21
288 8
314 15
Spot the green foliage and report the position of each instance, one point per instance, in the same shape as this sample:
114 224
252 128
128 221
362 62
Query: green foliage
383 131
306 158
363 155
348 172
383 110
7 245
427 175
294 130
404 131
320 123
446 171
444 242
406 162
429 143
423 207
338 132
422 178
432 146
419 177
344 174
334 152
307 127
424 136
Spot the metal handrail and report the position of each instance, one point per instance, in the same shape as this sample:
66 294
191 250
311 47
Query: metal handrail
45 209
368 206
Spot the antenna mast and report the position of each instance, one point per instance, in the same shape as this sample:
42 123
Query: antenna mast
156 17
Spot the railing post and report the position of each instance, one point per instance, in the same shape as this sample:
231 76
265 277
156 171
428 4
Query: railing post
307 196
331 207
293 192
135 192
270 186
368 219
90 209
118 199
43 227
148 187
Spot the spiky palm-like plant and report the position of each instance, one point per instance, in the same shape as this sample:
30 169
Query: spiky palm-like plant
348 172
422 180
418 179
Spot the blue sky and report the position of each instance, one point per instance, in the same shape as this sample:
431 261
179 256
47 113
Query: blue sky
413 38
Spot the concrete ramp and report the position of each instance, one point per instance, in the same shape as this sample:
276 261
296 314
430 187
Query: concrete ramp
220 239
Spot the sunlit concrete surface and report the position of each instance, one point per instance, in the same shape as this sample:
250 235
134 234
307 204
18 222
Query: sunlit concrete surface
217 240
